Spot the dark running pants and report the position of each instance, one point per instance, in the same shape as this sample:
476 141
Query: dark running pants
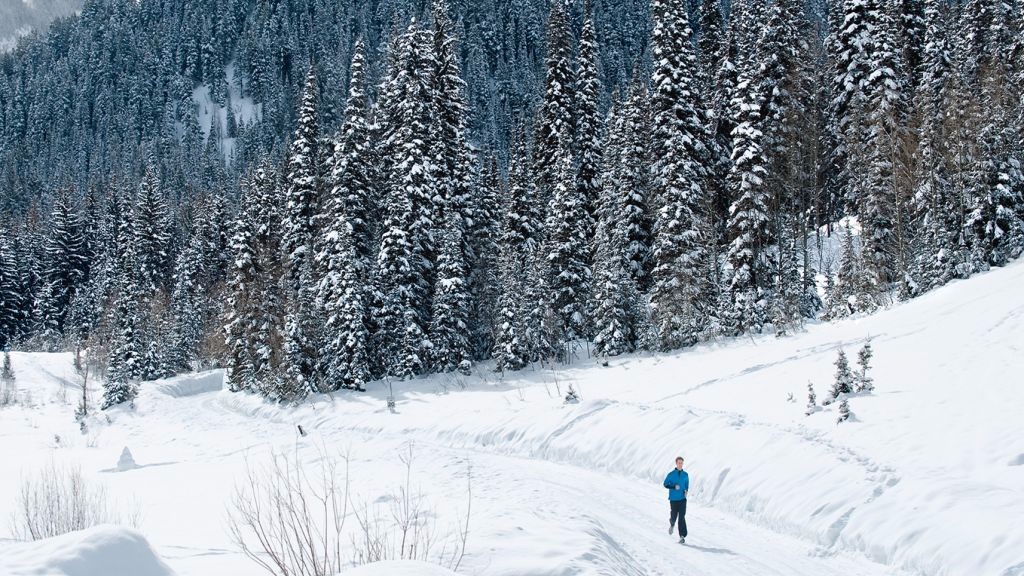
678 510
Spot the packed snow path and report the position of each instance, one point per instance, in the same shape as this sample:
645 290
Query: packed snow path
929 477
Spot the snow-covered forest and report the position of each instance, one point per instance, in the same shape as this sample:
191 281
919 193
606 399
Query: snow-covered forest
319 194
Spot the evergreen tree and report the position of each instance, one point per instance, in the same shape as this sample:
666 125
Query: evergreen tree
151 236
936 259
449 342
568 255
633 180
812 400
6 372
588 124
864 383
302 206
345 353
681 286
65 268
748 220
353 173
10 297
405 263
345 245
555 126
519 238
484 273
844 379
844 410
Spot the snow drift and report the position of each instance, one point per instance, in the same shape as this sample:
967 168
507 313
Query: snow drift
100 551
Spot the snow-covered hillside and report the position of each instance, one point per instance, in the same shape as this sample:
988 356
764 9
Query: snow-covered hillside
927 478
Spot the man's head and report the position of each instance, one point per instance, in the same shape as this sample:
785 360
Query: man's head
679 462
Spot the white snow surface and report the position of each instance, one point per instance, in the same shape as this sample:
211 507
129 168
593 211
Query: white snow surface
99 551
928 478
399 568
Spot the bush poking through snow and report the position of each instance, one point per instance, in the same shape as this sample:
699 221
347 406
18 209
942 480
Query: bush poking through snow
290 520
411 533
59 500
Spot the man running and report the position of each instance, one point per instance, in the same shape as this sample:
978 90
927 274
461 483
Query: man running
678 483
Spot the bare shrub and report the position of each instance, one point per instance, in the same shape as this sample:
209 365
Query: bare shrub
59 500
291 522
407 528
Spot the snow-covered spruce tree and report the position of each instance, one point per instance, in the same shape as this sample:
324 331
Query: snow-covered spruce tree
449 341
633 173
10 306
615 293
469 199
588 124
844 410
849 39
6 372
681 284
304 191
345 242
748 215
519 238
568 254
812 400
851 281
187 304
555 126
353 176
484 282
864 383
150 229
844 379
405 262
127 349
994 223
269 294
883 206
345 348
937 249
239 323
712 41
65 268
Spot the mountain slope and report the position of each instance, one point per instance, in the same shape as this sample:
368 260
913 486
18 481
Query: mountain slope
926 478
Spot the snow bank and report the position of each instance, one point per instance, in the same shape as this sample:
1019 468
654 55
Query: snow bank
100 551
399 568
191 384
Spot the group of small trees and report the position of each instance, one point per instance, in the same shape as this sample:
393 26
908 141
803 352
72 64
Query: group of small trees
847 381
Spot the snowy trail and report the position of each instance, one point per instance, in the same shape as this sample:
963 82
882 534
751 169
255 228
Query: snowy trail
530 516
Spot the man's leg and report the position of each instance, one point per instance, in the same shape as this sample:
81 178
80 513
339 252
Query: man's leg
672 518
682 518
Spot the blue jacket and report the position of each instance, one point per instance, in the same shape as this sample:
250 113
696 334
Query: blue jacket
674 478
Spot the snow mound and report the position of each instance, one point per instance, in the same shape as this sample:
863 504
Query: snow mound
399 568
191 384
102 550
